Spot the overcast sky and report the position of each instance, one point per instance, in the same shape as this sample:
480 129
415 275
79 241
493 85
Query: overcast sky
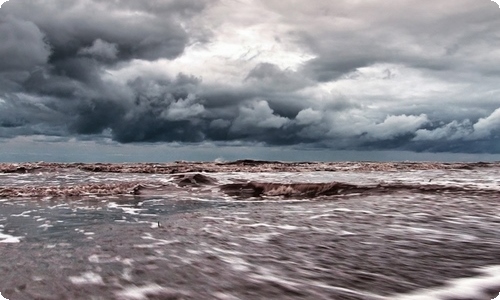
414 76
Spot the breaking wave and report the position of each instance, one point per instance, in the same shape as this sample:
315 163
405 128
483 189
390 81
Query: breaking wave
312 190
241 190
230 179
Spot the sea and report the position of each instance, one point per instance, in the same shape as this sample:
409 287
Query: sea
250 230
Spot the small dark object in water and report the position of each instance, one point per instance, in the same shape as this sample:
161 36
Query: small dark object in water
194 180
136 190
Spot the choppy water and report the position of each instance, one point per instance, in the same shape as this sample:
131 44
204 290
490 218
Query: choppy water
194 241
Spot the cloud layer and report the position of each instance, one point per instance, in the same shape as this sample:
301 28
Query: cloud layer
411 75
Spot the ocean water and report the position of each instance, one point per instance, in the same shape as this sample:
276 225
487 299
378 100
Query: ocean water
250 231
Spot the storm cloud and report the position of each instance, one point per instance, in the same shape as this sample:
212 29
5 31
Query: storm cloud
364 75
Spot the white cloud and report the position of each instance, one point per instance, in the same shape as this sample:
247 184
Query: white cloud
452 131
485 126
387 87
243 35
308 116
455 130
183 109
393 126
257 114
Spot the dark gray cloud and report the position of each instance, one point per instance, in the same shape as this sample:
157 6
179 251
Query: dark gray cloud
418 76
101 50
23 46
137 30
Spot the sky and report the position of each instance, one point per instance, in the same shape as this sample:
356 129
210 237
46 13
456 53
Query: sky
88 80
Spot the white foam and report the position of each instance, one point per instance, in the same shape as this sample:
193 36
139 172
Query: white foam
225 296
159 242
237 263
23 214
104 259
45 226
470 288
2 298
275 279
228 251
141 293
221 232
363 294
126 209
212 218
127 274
154 224
9 239
432 234
322 216
284 227
86 278
261 237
